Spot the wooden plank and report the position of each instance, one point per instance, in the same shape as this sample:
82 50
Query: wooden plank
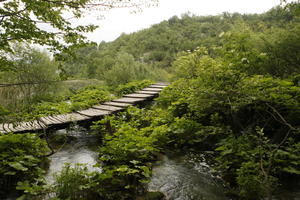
123 105
46 121
6 128
137 95
71 117
78 117
157 86
55 119
147 92
9 127
162 83
22 126
17 126
42 124
129 100
60 118
152 89
108 108
49 120
25 125
2 129
35 125
94 112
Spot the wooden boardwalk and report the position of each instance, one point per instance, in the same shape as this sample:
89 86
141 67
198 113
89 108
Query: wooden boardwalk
95 111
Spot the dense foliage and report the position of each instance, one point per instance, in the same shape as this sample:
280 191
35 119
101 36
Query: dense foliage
252 122
154 49
21 159
131 87
235 95
251 97
34 79
77 100
23 20
238 98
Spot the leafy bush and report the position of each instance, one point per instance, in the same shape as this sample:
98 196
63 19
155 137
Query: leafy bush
125 156
88 97
81 99
127 144
255 163
50 108
132 87
127 151
74 183
21 156
223 102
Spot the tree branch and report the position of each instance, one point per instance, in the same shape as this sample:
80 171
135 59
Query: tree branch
283 121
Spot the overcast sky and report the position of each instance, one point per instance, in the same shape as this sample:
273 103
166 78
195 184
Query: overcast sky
119 21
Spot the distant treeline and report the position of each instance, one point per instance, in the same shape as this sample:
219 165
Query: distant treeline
149 52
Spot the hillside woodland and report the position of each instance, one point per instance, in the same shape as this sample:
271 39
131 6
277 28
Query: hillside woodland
234 95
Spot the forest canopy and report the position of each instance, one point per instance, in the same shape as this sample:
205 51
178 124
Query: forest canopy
46 22
234 97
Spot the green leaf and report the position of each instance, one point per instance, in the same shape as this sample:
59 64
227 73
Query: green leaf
18 166
292 170
10 173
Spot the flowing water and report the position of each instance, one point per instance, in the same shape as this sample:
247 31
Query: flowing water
186 177
179 177
77 151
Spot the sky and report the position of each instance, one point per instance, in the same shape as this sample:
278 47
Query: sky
118 21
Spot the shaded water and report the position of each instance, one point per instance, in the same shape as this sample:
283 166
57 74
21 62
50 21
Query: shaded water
179 177
185 177
77 151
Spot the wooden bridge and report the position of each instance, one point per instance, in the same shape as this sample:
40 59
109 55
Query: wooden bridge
96 111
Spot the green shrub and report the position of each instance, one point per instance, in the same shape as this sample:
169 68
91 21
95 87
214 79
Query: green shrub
88 97
21 156
50 108
81 99
218 102
131 87
74 183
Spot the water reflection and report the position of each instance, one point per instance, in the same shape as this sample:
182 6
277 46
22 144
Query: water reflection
185 177
77 151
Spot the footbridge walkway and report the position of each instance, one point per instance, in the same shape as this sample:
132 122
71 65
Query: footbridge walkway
95 112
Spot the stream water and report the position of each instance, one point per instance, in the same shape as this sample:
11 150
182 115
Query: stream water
185 177
178 176
79 150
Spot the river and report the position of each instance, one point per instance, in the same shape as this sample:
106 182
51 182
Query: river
80 150
186 177
179 177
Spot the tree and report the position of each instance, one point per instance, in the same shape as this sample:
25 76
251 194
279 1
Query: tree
33 79
25 20
126 69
